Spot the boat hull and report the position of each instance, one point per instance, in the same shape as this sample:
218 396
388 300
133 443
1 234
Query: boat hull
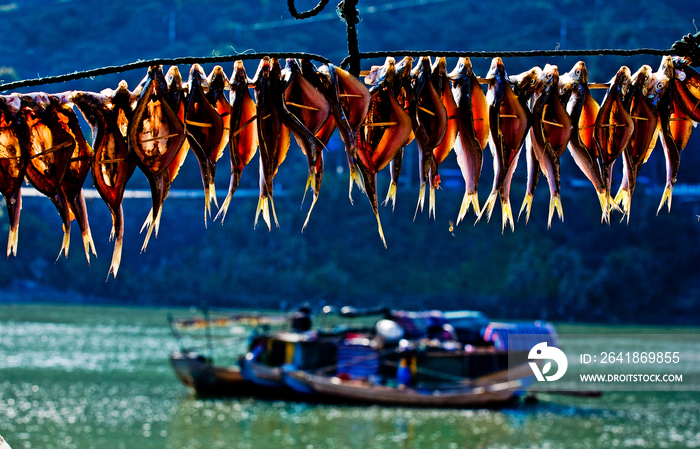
207 379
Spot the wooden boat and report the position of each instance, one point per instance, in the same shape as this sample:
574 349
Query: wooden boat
493 390
199 374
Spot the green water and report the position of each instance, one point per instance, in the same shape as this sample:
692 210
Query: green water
98 377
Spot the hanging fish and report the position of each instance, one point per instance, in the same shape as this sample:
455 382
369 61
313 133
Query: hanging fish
386 128
155 135
305 112
273 135
13 163
583 110
526 85
205 131
77 171
176 98
550 134
349 102
509 124
402 89
444 90
675 126
613 127
687 85
108 114
643 137
243 138
429 120
50 150
473 127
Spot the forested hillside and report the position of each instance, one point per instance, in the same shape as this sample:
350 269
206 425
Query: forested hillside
579 269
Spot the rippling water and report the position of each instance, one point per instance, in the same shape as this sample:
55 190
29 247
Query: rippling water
98 377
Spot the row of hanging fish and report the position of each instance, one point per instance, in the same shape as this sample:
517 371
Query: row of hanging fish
154 126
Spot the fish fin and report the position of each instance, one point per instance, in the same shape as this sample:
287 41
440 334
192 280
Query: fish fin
112 233
555 203
507 216
309 184
468 200
488 206
421 201
355 178
666 198
12 242
308 215
527 207
391 196
613 204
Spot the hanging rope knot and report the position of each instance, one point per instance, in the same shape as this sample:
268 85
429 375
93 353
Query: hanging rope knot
348 13
306 14
689 47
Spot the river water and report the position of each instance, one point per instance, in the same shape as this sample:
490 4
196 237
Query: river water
98 377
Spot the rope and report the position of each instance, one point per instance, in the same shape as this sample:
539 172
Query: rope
144 64
348 13
306 14
689 46
510 54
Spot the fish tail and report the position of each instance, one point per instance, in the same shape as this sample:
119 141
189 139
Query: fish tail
431 204
224 208
233 185
555 203
147 223
88 244
421 201
66 241
604 201
355 178
148 237
666 198
212 192
526 206
468 200
488 206
274 214
263 206
379 227
391 196
12 242
116 258
308 215
118 227
507 215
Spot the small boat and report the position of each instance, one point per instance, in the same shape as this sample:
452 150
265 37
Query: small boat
197 371
202 376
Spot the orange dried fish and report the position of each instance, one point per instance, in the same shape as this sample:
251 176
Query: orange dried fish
205 132
550 133
108 114
429 121
509 124
78 168
642 139
386 129
273 135
155 135
13 163
243 140
474 129
50 150
583 110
